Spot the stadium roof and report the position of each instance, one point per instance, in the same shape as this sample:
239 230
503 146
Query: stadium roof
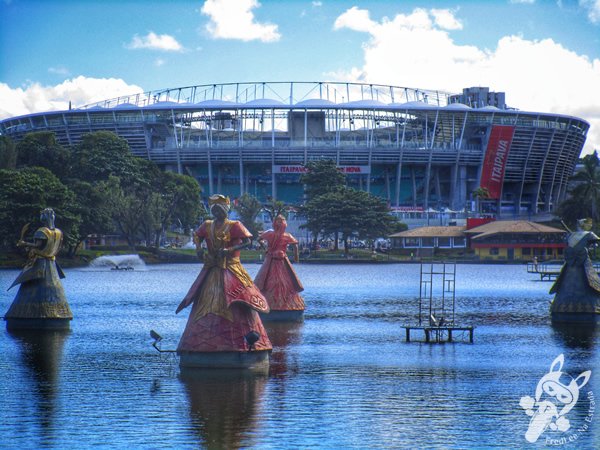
289 95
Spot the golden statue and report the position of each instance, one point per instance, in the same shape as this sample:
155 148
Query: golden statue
223 328
40 301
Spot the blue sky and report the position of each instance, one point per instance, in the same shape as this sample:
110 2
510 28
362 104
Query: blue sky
544 54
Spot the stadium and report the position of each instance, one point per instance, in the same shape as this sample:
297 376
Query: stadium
418 149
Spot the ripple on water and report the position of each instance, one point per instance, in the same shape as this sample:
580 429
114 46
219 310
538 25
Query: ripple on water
345 378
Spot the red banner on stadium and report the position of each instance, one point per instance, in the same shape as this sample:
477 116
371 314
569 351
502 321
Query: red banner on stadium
496 155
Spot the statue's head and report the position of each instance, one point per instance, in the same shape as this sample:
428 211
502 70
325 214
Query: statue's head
279 224
219 205
584 224
47 217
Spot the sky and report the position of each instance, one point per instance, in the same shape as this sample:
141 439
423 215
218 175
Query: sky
544 54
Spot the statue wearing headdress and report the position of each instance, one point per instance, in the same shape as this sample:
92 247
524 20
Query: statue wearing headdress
577 288
276 278
226 303
41 300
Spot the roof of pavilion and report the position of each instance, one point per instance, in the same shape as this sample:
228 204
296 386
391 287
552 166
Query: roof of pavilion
449 231
511 227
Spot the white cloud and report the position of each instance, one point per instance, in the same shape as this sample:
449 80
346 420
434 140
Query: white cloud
317 4
526 2
159 62
79 91
593 9
153 41
234 19
416 50
355 19
445 19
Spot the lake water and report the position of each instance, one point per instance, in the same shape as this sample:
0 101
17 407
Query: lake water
345 378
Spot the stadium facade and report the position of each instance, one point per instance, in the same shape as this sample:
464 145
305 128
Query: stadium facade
419 149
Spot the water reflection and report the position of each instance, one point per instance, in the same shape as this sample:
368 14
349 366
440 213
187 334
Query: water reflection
224 406
581 335
283 336
41 352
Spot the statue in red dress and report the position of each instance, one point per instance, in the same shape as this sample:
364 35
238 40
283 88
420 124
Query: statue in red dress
277 279
224 328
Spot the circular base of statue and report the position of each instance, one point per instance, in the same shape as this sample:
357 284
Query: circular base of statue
296 315
254 360
575 318
37 324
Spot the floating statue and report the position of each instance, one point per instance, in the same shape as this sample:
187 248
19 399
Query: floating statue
276 278
577 288
40 301
224 329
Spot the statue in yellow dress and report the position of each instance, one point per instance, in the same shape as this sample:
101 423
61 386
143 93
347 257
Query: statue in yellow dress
40 301
224 329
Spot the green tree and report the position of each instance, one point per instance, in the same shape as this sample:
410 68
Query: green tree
248 207
94 211
398 227
587 185
41 149
101 154
182 196
8 153
25 193
275 208
481 193
349 212
322 177
174 198
584 197
127 204
203 212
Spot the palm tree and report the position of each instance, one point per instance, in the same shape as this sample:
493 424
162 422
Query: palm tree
248 208
480 193
587 188
584 196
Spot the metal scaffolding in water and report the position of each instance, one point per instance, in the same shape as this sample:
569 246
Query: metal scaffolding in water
437 293
437 304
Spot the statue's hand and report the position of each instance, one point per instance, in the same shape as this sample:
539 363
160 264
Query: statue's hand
21 243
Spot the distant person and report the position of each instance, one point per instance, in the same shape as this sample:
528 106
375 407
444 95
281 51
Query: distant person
276 278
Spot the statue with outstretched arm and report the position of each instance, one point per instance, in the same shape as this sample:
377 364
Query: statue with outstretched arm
40 301
577 288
